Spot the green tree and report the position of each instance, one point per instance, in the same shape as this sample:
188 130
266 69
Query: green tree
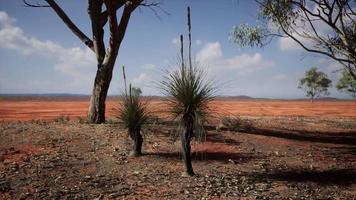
347 84
189 93
134 114
324 27
315 83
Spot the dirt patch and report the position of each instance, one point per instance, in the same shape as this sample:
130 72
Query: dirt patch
83 161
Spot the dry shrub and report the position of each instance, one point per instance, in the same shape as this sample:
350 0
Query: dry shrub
235 123
82 120
62 119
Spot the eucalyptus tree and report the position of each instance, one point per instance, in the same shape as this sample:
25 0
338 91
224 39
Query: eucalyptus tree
315 83
323 27
347 84
101 13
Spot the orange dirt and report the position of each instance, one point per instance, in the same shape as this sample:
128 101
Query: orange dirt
44 109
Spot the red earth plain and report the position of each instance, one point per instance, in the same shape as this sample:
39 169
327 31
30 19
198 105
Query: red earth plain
260 149
33 109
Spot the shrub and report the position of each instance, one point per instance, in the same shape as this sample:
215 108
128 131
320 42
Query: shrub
62 119
236 123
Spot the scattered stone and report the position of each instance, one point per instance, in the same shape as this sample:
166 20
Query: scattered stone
4 186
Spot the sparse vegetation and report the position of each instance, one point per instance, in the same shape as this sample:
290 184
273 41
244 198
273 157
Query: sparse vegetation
133 113
82 120
189 93
315 83
347 84
62 119
236 123
287 149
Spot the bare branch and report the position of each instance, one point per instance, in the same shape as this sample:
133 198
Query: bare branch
307 48
117 31
67 21
104 15
37 5
153 6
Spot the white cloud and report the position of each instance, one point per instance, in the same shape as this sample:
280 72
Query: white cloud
303 27
210 51
141 80
145 81
78 63
211 55
198 42
287 43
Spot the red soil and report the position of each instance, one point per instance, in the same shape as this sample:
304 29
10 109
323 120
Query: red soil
44 109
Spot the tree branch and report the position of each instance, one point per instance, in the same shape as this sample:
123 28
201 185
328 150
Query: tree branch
94 12
104 15
117 31
37 5
67 21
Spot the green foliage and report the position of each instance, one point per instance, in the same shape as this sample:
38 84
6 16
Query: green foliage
347 84
189 93
322 27
245 35
281 12
133 110
315 83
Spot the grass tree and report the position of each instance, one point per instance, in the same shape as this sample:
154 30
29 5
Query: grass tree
134 114
315 83
189 93
347 84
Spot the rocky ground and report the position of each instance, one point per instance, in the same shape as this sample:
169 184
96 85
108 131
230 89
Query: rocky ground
72 160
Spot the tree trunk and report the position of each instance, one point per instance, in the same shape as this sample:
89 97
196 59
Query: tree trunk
185 139
96 113
136 136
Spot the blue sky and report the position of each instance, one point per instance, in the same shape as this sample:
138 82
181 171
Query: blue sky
38 54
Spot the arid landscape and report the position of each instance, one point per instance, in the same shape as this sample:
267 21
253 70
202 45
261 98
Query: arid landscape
287 150
178 99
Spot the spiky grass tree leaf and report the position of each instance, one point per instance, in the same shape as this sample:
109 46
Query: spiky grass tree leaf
133 111
188 94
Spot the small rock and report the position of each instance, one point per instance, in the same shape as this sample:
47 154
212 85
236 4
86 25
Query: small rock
100 197
55 180
231 161
4 186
